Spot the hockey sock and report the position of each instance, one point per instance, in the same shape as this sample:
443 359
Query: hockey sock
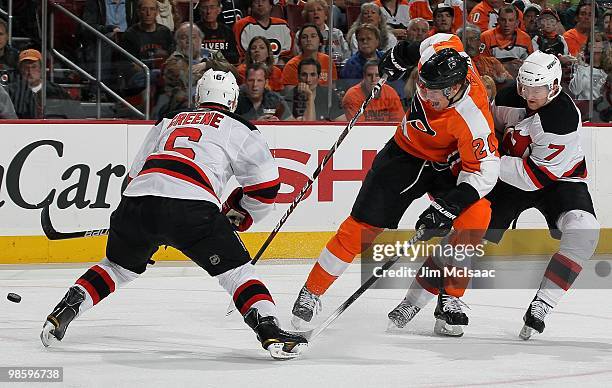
580 234
352 238
100 280
247 290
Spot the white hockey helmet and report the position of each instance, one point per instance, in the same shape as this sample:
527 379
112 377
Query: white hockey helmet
217 87
540 69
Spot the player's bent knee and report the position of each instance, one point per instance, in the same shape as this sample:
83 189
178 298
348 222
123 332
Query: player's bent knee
125 274
580 234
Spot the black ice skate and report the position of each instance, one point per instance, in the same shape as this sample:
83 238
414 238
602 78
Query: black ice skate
282 345
534 318
449 316
401 315
57 322
305 307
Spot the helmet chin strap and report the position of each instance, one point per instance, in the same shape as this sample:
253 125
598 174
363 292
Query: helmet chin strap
447 93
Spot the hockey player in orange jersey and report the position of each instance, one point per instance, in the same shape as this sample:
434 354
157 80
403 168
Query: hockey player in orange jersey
449 117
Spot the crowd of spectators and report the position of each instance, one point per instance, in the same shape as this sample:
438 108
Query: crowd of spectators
287 54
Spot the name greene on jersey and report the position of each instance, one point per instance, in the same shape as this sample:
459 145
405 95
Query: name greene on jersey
208 118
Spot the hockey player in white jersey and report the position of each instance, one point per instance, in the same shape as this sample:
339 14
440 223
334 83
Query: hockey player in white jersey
173 199
543 167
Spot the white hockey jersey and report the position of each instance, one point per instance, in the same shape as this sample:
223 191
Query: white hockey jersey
556 153
193 155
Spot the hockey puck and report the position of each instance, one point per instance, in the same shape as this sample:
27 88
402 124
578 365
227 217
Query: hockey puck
13 297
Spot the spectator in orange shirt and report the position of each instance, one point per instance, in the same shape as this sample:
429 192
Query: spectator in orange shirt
260 51
425 9
385 107
485 64
485 14
577 37
507 42
309 44
417 30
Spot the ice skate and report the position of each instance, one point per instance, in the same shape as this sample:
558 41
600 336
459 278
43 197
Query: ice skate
57 322
282 345
306 306
449 316
401 315
534 318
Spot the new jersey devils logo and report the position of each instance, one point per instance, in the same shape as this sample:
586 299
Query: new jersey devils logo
417 119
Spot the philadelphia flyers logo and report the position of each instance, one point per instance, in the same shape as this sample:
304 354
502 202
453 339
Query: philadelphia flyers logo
275 46
417 119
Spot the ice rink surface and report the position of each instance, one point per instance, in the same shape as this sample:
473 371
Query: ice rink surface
168 329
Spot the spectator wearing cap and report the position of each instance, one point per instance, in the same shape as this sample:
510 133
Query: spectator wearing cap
255 101
386 106
577 37
26 90
425 8
368 39
417 30
309 43
216 36
261 23
442 20
530 19
548 40
485 64
9 56
507 42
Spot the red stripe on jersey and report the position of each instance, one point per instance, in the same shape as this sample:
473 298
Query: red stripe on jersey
185 161
262 199
178 176
567 262
90 290
548 173
247 305
105 276
263 185
531 175
571 171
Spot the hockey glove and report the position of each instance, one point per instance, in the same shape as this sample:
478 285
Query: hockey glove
437 219
240 219
397 60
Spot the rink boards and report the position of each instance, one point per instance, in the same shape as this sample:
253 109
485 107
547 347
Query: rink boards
78 168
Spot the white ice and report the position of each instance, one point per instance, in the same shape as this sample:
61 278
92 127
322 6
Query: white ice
167 329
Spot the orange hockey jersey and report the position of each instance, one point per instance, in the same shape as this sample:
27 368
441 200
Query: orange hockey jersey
278 33
465 127
422 9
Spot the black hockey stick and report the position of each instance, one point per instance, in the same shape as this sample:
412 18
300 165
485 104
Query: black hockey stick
375 90
53 234
311 334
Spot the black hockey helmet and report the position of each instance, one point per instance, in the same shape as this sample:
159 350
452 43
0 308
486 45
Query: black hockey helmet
444 69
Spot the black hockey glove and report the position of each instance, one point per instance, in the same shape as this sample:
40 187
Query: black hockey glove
397 60
437 219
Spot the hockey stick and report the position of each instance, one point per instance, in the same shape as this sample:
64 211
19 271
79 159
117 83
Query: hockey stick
53 234
375 90
311 334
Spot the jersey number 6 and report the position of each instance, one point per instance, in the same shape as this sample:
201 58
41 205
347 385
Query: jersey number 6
192 134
